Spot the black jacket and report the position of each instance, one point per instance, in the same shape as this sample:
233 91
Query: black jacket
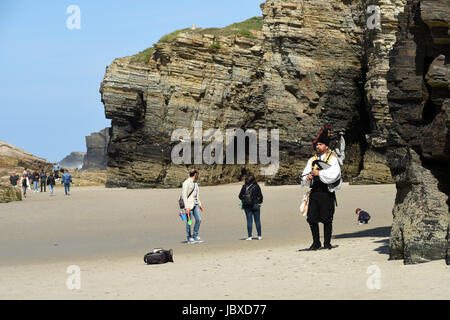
13 180
363 216
51 181
256 193
43 177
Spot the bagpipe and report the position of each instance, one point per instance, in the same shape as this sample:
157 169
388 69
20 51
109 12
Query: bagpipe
319 165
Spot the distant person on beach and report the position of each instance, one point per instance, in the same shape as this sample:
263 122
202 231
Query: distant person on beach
252 198
191 197
25 183
51 182
36 181
13 179
66 180
43 178
56 170
323 175
363 216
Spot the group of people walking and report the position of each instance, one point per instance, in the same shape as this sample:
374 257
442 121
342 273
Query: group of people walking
40 179
322 175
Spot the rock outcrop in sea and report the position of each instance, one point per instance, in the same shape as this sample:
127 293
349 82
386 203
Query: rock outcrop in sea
73 160
96 157
302 65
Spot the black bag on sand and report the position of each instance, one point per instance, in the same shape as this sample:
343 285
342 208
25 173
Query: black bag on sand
159 257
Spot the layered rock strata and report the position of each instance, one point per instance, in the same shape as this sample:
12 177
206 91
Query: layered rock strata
311 63
418 140
14 159
286 76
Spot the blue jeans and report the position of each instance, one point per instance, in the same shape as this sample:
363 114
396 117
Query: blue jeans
66 188
51 188
198 220
36 185
253 213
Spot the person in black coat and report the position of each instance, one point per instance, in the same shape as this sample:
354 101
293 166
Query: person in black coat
43 178
13 179
51 182
252 198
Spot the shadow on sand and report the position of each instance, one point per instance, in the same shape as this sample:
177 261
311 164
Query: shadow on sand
382 232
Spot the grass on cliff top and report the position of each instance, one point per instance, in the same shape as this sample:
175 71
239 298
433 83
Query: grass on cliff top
243 28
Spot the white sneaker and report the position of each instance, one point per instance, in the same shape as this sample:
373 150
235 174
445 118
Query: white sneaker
249 239
198 240
190 240
259 238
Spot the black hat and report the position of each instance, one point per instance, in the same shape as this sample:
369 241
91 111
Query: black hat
323 138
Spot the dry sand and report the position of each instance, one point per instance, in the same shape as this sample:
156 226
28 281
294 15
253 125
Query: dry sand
106 232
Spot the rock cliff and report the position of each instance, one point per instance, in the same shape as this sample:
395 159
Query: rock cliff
96 157
415 129
10 194
73 160
14 159
302 65
278 73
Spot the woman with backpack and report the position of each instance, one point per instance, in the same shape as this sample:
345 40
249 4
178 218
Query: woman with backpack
252 198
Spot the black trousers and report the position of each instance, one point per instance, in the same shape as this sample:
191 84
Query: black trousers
44 186
321 209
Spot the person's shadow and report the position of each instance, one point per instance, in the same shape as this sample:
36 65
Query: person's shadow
381 232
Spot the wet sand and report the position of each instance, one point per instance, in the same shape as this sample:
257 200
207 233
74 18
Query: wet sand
106 232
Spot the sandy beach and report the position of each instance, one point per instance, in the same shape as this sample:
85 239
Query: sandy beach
106 232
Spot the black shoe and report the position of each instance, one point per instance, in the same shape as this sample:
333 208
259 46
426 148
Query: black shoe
328 246
315 246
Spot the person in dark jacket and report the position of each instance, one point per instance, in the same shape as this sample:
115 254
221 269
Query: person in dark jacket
363 216
13 179
30 179
66 180
252 198
43 177
36 181
25 183
51 181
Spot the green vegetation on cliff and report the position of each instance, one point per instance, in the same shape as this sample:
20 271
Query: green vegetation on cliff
245 28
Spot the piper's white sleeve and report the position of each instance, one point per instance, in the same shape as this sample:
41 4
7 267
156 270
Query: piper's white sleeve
332 174
305 173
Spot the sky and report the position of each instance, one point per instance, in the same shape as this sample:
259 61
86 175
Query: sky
50 72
